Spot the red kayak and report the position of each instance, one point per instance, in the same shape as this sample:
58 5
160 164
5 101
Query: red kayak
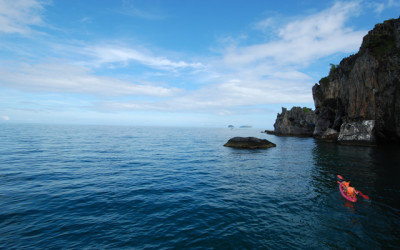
344 194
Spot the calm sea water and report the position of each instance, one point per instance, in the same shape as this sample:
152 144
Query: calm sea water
103 187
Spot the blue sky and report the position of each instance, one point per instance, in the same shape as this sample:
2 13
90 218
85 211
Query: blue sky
172 63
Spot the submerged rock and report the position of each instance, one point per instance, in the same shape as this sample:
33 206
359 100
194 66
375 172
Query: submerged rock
249 143
358 133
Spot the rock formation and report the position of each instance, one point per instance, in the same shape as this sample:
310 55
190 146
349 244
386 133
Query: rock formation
330 135
357 133
364 86
295 122
249 143
360 95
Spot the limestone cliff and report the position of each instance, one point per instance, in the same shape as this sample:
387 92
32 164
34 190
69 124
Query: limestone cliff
364 86
295 122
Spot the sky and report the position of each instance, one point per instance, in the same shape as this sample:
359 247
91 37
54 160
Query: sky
200 63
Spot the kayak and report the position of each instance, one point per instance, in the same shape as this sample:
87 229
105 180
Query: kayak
344 194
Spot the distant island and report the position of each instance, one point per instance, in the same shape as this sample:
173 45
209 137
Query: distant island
245 126
359 101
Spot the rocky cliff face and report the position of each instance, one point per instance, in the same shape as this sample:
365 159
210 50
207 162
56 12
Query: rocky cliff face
364 86
295 122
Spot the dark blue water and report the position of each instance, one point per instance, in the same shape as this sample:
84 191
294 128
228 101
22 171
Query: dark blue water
131 187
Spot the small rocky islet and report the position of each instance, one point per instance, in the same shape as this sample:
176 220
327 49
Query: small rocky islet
249 143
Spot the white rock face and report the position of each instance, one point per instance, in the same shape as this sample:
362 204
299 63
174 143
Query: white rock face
357 132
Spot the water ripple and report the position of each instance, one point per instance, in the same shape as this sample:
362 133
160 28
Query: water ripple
130 187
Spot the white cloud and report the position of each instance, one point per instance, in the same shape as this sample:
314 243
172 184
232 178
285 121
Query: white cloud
243 76
62 78
379 7
303 41
5 118
265 24
271 72
114 54
130 8
86 20
260 74
393 3
16 16
222 98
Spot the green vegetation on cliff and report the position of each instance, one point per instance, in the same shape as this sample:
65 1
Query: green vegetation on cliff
325 80
380 41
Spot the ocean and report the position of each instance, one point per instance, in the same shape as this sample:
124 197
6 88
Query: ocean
116 187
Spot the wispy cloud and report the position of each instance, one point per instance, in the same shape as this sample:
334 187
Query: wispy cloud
271 72
265 24
380 6
104 55
130 8
247 76
5 118
305 40
63 78
221 98
86 19
17 16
